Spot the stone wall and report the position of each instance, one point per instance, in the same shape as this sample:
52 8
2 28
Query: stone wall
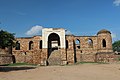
84 41
106 57
70 51
5 56
87 58
24 42
6 59
98 57
70 56
33 56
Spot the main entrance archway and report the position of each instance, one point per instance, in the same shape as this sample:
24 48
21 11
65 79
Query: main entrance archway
54 57
53 43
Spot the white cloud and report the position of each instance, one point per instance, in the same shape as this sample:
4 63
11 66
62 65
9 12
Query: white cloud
35 30
117 2
113 35
67 32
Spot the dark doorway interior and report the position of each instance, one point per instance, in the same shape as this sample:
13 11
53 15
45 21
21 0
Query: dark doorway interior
53 43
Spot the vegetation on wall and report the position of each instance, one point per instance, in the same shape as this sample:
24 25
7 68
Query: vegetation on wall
6 39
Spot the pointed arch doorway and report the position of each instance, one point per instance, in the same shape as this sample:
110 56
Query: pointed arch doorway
54 57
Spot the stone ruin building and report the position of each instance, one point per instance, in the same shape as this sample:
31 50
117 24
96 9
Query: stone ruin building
53 47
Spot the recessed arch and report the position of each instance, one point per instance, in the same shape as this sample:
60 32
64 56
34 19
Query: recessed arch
90 43
31 45
40 44
77 43
53 42
104 43
17 45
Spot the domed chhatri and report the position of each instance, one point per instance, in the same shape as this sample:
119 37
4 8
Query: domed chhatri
103 31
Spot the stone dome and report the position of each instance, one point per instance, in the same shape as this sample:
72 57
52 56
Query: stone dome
103 31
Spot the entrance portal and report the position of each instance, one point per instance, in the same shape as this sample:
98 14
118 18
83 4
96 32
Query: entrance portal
53 43
54 57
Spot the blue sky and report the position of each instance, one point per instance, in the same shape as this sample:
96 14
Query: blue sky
80 17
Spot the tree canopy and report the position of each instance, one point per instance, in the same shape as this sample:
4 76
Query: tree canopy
116 46
6 39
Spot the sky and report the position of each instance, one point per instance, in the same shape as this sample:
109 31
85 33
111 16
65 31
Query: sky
79 17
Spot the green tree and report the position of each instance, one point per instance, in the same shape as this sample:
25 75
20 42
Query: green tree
116 46
6 39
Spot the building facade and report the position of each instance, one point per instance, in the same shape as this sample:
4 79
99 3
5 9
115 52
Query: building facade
56 48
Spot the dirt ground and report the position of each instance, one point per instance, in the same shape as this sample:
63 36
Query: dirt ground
70 72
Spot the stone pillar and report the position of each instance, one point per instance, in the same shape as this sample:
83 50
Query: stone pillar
63 56
71 49
44 56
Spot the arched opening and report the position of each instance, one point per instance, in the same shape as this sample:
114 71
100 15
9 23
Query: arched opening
40 45
17 45
31 45
53 42
104 43
77 43
90 43
67 44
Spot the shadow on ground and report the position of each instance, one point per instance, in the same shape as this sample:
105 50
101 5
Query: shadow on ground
7 69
